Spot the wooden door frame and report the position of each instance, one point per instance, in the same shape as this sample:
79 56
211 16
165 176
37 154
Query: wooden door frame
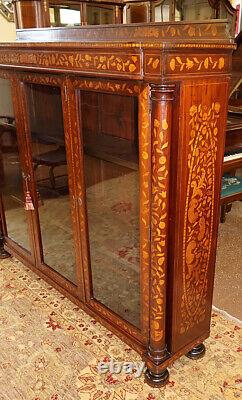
24 255
141 91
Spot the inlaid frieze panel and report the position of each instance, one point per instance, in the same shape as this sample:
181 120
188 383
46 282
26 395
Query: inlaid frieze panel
113 63
109 86
197 63
152 64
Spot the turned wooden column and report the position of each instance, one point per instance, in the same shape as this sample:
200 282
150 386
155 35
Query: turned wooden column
83 13
161 120
31 13
118 14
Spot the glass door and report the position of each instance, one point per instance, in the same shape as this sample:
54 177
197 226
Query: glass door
109 126
50 166
13 194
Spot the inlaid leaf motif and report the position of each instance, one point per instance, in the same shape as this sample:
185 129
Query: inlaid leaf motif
198 223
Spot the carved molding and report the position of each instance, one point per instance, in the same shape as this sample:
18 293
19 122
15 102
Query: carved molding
6 10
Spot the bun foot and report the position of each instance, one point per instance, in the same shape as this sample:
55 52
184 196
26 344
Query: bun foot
156 380
4 254
197 352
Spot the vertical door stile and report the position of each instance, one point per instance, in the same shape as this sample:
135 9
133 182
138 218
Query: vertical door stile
20 111
145 203
74 155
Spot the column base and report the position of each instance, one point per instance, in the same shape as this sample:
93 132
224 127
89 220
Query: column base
197 352
4 254
156 380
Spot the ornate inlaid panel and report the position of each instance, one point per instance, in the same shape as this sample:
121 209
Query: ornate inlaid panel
85 61
196 63
159 224
198 223
200 153
133 63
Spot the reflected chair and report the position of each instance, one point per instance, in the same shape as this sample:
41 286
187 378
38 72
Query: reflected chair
51 159
231 191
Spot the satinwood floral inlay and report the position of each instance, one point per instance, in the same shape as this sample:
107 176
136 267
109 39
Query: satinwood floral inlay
126 63
198 224
196 64
145 161
158 223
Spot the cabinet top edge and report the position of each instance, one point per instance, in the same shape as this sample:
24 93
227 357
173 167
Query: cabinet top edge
212 31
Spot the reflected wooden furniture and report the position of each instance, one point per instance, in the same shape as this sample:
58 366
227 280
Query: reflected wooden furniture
36 13
173 10
7 125
175 78
51 159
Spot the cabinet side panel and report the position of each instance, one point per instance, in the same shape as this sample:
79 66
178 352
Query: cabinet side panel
195 207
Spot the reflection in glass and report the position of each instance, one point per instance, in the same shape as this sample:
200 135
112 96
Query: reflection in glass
197 10
64 15
109 126
100 14
82 14
50 166
10 171
182 10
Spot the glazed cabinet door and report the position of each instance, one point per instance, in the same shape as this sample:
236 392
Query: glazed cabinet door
14 179
112 164
51 172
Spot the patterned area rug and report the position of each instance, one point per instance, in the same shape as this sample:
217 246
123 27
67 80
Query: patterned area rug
50 350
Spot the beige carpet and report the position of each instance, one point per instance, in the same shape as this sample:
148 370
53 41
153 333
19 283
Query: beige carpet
50 350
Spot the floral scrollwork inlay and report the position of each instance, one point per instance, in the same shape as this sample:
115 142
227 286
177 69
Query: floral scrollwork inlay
119 63
196 64
108 86
145 161
198 222
158 222
152 64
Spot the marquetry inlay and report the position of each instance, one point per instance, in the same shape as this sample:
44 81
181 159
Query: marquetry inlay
86 61
199 208
196 64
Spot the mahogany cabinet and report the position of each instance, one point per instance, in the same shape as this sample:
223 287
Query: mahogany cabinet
111 189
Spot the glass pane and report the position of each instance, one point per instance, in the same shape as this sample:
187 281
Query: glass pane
69 16
10 171
61 15
49 161
109 126
99 15
196 10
